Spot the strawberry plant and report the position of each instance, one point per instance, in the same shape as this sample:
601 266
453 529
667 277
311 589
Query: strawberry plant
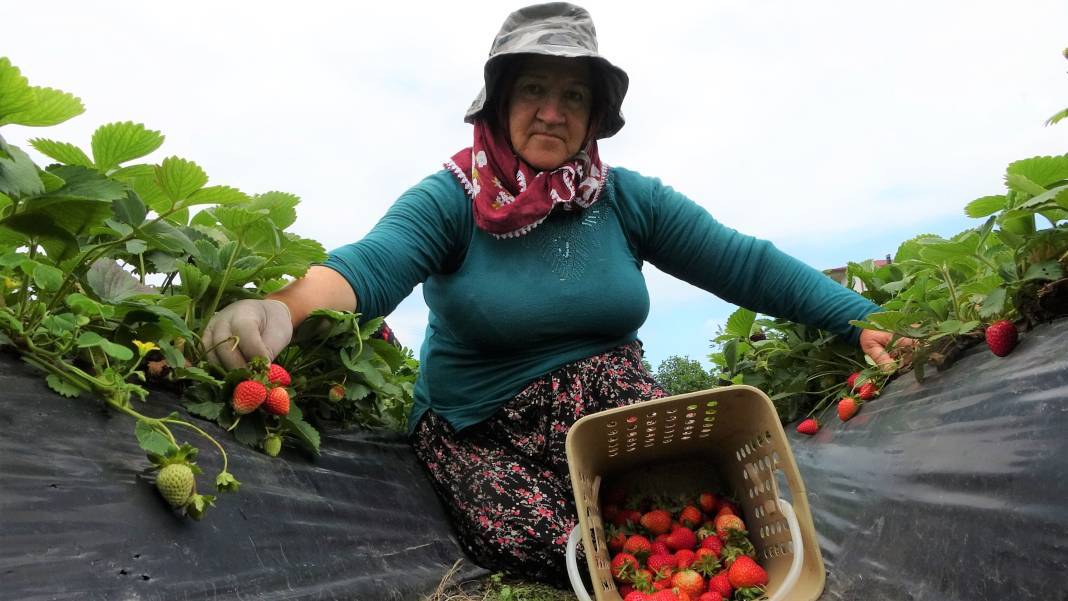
110 270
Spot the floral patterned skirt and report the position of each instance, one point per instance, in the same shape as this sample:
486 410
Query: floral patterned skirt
505 481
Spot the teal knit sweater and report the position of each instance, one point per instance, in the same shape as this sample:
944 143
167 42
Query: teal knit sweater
504 312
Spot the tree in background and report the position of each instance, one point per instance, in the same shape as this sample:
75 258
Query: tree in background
682 374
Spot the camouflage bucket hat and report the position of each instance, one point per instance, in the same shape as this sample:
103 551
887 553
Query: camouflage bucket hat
555 29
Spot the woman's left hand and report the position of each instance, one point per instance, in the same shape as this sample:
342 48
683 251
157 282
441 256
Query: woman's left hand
875 344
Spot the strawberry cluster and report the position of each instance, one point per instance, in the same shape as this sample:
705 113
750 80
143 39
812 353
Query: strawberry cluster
265 389
681 550
859 388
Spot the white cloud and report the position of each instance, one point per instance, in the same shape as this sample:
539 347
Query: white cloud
793 121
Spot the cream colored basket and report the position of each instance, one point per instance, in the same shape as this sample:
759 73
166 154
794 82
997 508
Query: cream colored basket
726 438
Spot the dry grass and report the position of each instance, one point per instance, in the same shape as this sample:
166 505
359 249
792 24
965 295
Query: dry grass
494 588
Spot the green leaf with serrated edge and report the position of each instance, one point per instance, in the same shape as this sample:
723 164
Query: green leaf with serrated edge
302 430
15 92
61 324
207 409
136 247
280 207
152 440
388 353
63 387
112 284
51 181
355 391
179 178
63 152
81 183
166 236
92 339
18 174
171 355
740 323
987 205
1047 270
251 429
195 374
225 482
116 143
130 173
193 282
1040 170
129 209
217 195
370 326
47 278
83 305
50 107
994 304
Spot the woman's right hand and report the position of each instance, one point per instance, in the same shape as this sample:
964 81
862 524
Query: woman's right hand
246 329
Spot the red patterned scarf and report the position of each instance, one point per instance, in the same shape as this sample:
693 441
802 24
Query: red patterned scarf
510 197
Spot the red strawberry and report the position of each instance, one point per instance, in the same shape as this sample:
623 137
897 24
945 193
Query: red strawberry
660 548
665 595
248 396
707 501
277 402
689 581
810 426
627 515
705 561
623 565
656 521
642 579
745 572
684 558
720 583
661 565
847 408
726 506
681 538
710 596
634 596
851 381
1001 337
690 516
867 391
616 541
277 375
638 546
727 522
713 544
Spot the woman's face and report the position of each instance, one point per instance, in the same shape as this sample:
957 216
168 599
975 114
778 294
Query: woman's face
549 110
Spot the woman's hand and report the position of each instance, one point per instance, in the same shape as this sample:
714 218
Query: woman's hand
876 344
246 329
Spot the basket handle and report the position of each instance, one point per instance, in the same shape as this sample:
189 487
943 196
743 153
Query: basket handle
799 552
572 564
784 588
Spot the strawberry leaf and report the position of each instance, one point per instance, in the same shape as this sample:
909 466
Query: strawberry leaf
50 107
61 151
152 440
63 387
116 143
302 430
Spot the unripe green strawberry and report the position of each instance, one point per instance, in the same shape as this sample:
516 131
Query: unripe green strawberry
272 445
277 402
277 375
176 483
337 393
248 396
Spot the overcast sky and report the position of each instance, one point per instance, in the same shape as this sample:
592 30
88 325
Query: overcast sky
835 129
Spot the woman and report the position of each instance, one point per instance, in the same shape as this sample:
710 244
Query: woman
529 249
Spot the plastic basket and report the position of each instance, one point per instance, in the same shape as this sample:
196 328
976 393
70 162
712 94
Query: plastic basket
726 438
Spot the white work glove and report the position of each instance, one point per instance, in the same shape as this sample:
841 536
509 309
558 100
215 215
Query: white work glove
262 329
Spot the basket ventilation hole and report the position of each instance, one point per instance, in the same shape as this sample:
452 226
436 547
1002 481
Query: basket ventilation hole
691 407
631 419
775 457
611 424
767 436
711 404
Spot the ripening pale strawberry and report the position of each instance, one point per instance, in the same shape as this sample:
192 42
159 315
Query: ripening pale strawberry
745 573
277 402
248 396
727 522
867 391
1001 337
851 381
277 375
847 408
176 483
810 426
690 516
656 521
638 546
336 393
720 583
681 538
689 581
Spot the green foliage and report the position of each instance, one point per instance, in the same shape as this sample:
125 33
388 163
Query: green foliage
107 279
682 374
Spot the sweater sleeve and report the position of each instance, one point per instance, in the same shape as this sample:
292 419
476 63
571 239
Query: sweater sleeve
681 238
421 234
